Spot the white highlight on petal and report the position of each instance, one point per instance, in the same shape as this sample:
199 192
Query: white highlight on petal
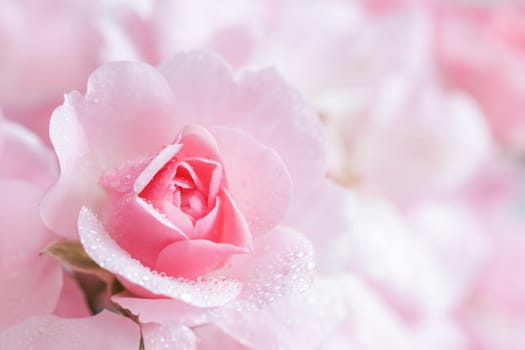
156 164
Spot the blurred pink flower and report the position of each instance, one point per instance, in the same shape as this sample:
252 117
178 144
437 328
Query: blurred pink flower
47 48
493 311
492 72
37 284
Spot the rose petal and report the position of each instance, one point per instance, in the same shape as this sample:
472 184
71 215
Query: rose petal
202 85
274 114
164 311
105 252
210 337
119 95
23 156
321 214
193 258
197 142
162 337
281 263
140 228
31 282
72 302
258 179
211 175
77 171
232 227
282 323
205 225
103 331
153 168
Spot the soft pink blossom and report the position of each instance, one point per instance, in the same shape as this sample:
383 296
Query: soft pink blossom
161 166
493 309
47 48
492 72
37 284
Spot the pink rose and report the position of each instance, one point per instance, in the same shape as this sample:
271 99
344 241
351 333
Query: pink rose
182 197
187 172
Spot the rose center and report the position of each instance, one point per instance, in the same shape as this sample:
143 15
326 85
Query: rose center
186 195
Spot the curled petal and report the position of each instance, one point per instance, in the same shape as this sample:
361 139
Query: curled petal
194 258
104 251
139 228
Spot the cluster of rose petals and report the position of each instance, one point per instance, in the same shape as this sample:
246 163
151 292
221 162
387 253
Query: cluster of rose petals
191 184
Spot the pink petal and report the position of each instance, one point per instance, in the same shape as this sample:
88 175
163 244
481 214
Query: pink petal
72 302
232 227
210 337
128 110
77 184
282 323
194 258
164 311
258 179
105 252
202 85
321 214
31 281
281 263
139 228
205 226
103 331
197 142
162 337
274 114
23 156
211 175
155 165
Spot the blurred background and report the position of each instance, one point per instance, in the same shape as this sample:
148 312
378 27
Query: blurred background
423 104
